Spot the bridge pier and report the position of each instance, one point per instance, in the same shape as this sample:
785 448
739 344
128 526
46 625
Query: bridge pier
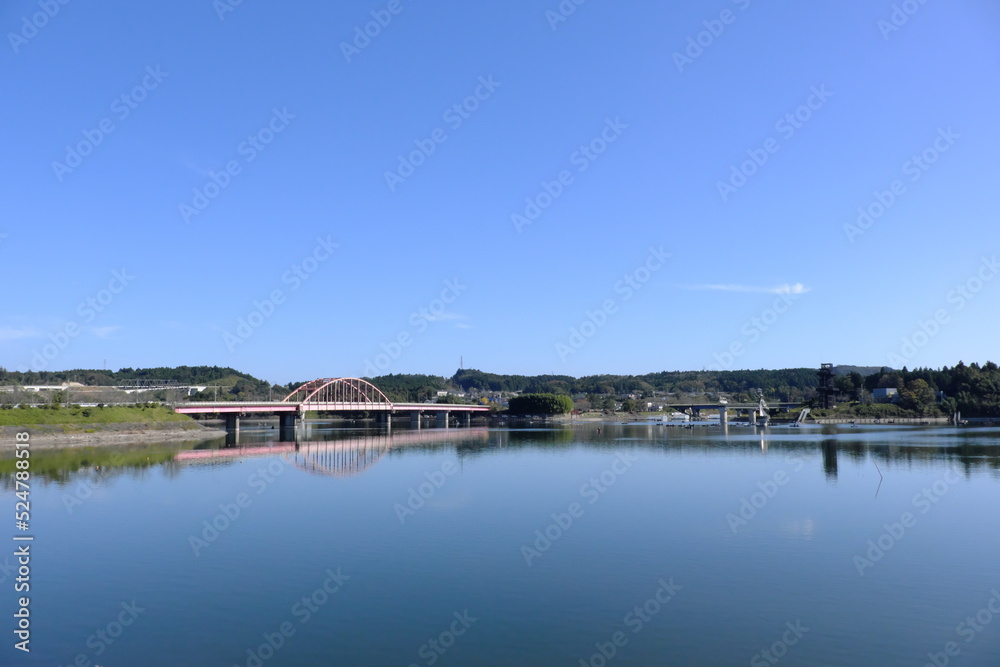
466 419
415 420
442 419
384 419
233 422
289 424
288 421
724 415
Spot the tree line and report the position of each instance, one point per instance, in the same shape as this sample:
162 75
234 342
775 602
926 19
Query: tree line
789 385
972 389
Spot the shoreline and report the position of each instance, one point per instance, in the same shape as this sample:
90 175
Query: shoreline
54 436
51 436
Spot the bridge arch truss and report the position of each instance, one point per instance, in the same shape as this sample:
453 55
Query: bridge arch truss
327 392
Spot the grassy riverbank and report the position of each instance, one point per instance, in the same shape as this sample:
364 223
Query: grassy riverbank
77 426
142 414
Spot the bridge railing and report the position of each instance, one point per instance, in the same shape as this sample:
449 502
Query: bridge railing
200 404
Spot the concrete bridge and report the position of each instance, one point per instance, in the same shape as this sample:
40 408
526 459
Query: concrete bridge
724 408
338 395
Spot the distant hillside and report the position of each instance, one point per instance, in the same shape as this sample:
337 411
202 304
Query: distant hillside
233 384
411 388
793 384
862 370
974 390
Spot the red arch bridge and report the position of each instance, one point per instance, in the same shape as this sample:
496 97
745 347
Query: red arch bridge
337 395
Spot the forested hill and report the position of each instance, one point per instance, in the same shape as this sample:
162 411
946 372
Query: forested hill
788 384
973 389
792 384
236 384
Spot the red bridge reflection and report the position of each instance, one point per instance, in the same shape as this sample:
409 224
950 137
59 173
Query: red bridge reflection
343 457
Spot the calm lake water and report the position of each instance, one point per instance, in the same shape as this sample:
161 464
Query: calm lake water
638 545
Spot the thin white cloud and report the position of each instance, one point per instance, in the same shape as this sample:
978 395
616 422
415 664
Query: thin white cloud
794 288
463 325
196 169
103 332
443 317
12 333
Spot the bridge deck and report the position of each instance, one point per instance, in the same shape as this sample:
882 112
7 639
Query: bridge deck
243 407
731 406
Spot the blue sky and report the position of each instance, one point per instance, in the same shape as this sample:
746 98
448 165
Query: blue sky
620 189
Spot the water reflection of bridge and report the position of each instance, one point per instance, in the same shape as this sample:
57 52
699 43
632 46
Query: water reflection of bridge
341 457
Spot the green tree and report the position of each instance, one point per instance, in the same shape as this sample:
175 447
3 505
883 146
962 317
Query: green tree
918 396
540 404
630 405
949 406
845 386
